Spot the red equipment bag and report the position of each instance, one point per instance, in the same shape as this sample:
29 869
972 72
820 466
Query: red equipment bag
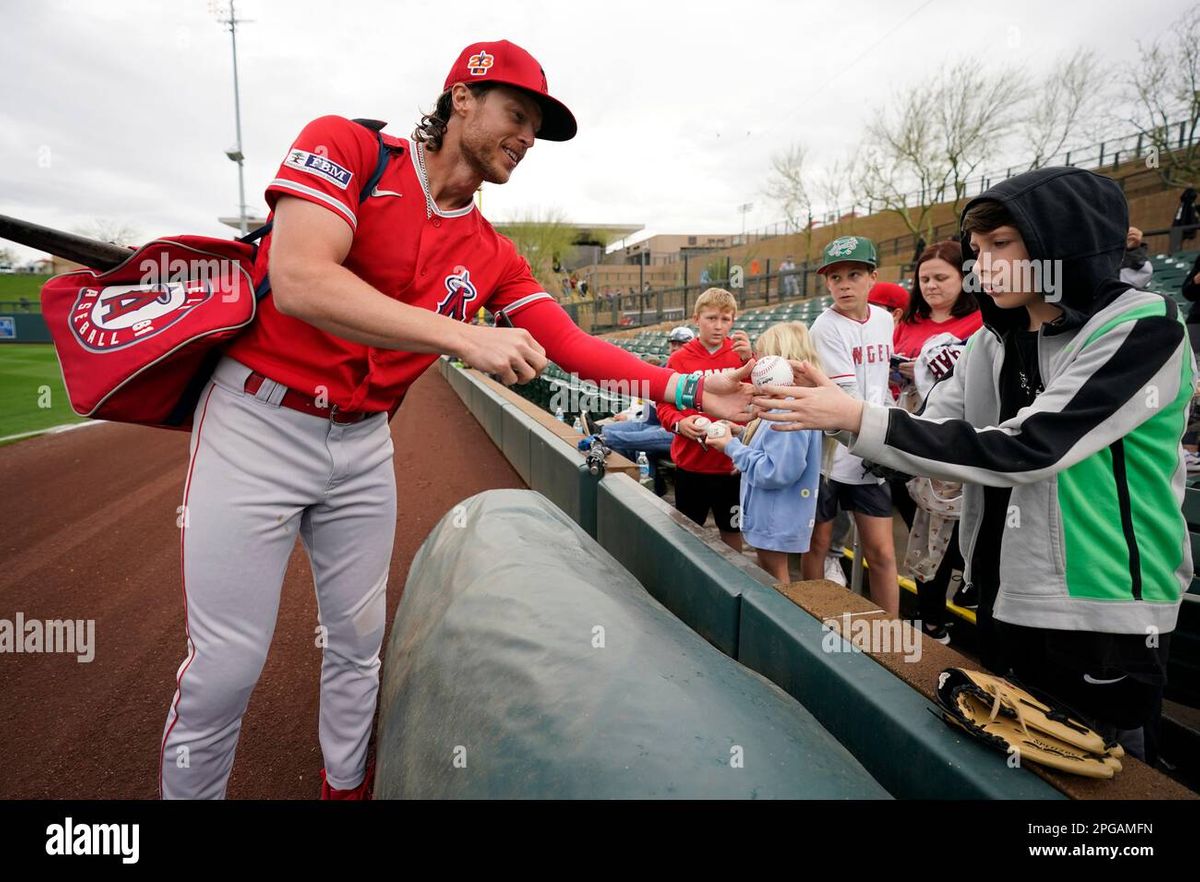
138 342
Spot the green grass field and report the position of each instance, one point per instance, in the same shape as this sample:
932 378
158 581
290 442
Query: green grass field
14 286
29 380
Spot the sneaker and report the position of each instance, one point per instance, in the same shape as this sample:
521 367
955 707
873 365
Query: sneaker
938 633
967 597
361 792
589 424
833 570
1192 460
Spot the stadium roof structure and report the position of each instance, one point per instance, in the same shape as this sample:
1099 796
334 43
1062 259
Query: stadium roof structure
252 221
585 234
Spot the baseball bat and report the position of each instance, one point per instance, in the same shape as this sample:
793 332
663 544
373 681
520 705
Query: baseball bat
90 252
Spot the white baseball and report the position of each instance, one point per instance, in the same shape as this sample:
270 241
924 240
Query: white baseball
772 370
702 423
717 430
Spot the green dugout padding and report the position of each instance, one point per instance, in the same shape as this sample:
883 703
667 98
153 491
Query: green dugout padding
677 567
884 722
486 406
879 717
525 662
561 474
514 441
23 328
543 460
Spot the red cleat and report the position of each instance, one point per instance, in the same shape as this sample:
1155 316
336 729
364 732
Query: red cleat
362 791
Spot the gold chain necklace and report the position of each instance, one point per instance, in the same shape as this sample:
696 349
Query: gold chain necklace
419 152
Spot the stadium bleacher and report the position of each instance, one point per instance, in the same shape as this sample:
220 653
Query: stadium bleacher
1170 271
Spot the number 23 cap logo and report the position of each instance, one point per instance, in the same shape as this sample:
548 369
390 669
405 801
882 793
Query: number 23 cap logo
105 319
480 64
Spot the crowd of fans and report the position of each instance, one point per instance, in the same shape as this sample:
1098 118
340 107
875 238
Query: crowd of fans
955 409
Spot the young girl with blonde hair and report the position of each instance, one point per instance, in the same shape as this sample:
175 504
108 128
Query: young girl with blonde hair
780 470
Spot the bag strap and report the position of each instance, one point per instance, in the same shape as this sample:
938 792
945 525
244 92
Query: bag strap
385 154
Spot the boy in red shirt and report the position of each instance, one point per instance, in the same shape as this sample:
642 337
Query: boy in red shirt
704 478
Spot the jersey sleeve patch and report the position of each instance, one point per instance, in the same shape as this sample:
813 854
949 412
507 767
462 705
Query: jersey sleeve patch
319 166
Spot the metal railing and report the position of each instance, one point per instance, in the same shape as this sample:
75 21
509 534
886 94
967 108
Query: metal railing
677 303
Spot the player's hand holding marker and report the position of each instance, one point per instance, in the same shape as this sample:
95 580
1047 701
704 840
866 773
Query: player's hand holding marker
511 354
819 403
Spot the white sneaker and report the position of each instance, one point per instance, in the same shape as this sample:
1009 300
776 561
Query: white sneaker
1192 461
833 570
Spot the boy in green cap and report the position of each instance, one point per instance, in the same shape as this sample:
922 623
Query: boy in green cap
854 341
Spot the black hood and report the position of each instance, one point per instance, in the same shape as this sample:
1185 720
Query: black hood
1065 214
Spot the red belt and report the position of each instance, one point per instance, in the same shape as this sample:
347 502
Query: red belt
306 404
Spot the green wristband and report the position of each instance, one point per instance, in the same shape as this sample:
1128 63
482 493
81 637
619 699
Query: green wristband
689 389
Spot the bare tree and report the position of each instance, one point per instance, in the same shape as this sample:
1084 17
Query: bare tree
975 112
925 146
544 239
112 231
902 167
837 185
1165 87
1068 105
788 187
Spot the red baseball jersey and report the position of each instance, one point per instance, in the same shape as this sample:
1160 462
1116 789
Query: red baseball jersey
452 263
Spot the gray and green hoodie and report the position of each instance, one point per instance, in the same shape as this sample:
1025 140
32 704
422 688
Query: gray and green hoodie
1094 538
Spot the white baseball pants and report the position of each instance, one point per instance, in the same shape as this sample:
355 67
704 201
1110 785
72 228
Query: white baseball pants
258 474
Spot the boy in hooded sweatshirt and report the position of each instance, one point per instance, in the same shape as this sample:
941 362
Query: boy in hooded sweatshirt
1064 418
704 478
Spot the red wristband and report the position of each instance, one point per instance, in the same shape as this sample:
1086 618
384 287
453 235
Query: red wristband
699 394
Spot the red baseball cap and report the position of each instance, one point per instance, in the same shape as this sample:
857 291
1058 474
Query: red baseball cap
507 63
889 295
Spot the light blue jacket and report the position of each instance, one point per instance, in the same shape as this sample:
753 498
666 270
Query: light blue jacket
780 471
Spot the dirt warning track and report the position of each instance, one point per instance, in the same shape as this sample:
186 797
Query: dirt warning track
88 532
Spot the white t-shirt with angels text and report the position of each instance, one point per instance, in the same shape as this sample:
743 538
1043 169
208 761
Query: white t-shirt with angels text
856 356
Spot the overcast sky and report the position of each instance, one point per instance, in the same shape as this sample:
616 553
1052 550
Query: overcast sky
122 109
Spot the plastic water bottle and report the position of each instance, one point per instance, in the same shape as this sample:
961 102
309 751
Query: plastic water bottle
577 425
644 470
560 416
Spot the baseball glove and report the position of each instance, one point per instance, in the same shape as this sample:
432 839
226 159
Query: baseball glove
1010 719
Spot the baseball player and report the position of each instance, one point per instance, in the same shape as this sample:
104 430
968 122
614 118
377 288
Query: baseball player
291 434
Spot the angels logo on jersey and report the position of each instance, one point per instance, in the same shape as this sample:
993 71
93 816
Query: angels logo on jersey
460 294
105 319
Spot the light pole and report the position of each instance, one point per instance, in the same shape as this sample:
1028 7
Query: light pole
235 152
744 209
